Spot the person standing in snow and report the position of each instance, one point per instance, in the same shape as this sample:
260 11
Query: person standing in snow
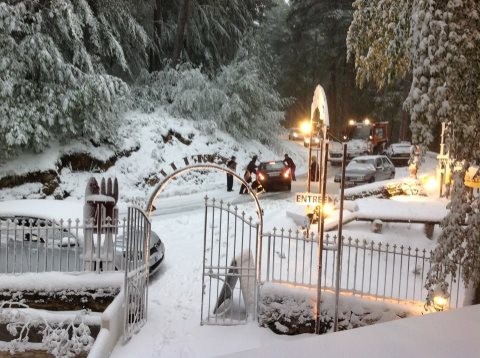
414 160
232 165
251 169
289 162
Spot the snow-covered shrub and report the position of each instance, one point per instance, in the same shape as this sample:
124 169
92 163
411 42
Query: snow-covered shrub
237 100
62 339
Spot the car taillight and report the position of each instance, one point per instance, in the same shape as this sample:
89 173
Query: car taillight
261 176
287 173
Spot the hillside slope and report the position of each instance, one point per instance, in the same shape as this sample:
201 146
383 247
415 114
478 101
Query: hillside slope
149 144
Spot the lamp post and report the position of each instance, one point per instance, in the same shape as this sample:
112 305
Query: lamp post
320 228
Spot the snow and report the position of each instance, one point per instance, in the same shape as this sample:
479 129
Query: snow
57 281
57 209
404 208
173 327
446 334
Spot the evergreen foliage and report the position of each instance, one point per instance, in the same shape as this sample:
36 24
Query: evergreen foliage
439 43
310 40
239 99
54 58
66 66
214 29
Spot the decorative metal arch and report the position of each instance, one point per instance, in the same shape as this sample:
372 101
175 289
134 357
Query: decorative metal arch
160 186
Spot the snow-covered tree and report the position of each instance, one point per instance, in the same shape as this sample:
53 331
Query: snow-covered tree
378 40
55 59
240 99
438 42
212 29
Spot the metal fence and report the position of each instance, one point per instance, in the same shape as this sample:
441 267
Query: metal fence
229 269
380 271
34 245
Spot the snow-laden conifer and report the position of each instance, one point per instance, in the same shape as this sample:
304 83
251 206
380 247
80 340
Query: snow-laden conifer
438 42
55 59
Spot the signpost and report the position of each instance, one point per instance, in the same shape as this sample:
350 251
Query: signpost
308 198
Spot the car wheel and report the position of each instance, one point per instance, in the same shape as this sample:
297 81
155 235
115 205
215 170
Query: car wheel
289 186
372 180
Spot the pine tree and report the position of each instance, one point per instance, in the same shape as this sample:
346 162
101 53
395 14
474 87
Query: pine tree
55 59
439 43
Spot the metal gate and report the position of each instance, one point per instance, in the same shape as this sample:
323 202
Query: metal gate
136 252
229 277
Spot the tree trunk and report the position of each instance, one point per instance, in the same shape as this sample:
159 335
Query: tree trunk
181 26
157 35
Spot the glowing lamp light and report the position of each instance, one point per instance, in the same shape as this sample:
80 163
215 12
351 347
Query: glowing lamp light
439 302
431 184
440 298
261 176
351 122
287 173
328 209
367 121
305 127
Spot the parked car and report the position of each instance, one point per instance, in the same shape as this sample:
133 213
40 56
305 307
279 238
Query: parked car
399 153
367 169
315 141
49 234
274 174
295 134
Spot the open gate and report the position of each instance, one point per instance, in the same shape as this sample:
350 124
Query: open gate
137 254
229 279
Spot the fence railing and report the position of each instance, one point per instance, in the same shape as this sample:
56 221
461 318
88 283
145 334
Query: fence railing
378 270
34 245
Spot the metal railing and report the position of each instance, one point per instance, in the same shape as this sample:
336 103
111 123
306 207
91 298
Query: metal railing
368 269
34 245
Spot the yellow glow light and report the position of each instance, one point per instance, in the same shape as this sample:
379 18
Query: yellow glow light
431 184
328 209
351 122
439 302
305 127
367 121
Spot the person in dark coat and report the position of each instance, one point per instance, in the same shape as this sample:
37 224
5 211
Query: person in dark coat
251 169
289 162
314 170
232 165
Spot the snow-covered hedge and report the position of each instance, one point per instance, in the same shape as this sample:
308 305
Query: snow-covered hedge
290 310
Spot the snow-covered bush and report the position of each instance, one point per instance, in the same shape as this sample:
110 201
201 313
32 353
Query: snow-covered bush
62 339
238 99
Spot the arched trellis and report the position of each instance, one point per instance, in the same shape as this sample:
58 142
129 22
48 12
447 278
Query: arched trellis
161 186
194 167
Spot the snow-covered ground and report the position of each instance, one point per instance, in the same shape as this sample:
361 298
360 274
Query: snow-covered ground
173 328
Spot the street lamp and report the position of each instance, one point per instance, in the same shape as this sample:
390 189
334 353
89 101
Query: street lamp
306 127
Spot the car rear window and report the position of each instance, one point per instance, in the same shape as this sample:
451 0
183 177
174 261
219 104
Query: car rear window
278 165
364 161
